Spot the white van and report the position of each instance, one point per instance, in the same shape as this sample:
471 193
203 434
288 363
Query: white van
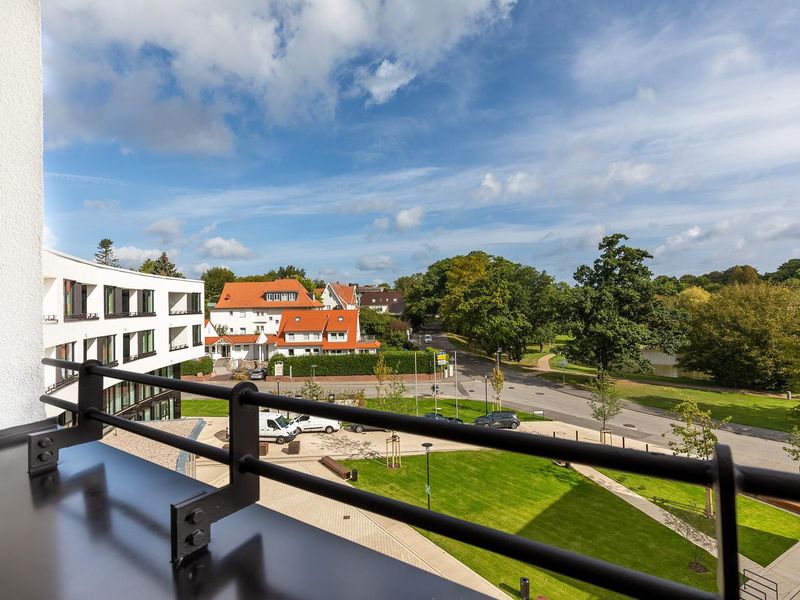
274 427
309 423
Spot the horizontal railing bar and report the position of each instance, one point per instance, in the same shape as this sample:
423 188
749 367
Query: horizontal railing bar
63 364
176 441
60 403
585 568
677 468
767 482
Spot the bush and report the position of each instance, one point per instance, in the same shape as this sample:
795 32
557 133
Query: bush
202 365
352 364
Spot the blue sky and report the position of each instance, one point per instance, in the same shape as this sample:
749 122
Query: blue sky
364 140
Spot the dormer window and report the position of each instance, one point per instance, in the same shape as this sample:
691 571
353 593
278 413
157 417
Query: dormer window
297 319
341 318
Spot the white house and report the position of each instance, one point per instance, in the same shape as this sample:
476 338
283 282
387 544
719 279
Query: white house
250 346
339 296
256 307
321 332
141 322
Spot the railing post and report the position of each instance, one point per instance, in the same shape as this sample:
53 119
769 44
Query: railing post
44 446
191 519
727 543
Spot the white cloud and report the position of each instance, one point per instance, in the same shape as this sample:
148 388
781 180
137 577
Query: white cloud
187 60
490 187
629 174
131 256
167 229
103 205
679 239
409 218
381 223
219 247
521 184
387 78
374 262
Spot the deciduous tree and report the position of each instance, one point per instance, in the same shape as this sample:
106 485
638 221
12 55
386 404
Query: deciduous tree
793 449
605 402
215 279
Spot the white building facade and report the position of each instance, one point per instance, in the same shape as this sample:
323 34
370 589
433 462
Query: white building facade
137 321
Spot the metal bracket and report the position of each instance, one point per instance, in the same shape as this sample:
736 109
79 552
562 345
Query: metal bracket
44 446
191 519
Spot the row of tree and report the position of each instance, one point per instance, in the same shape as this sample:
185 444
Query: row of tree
162 265
215 279
788 273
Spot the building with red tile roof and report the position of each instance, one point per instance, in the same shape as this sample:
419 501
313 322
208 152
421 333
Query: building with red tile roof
340 296
334 331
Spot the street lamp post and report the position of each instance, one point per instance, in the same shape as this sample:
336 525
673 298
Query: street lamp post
486 394
427 446
313 372
416 393
455 372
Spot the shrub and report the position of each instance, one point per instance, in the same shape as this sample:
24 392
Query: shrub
352 364
202 365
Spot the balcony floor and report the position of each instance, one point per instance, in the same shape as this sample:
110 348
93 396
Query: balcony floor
98 527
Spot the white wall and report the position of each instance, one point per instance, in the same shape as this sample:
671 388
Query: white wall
234 322
20 212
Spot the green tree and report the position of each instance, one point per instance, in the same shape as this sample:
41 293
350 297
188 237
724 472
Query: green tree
292 272
404 283
788 272
497 381
105 253
311 390
793 449
424 297
161 266
747 336
215 279
696 437
382 371
612 308
605 402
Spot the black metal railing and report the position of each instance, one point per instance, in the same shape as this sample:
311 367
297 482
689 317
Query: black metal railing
178 347
191 518
81 317
133 357
125 314
50 318
191 311
63 382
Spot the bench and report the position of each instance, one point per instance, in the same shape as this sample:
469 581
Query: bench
336 467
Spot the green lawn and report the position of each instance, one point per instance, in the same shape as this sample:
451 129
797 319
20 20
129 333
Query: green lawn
570 366
203 407
534 498
467 409
744 409
529 358
765 532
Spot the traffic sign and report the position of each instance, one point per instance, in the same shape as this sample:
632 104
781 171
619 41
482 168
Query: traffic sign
278 369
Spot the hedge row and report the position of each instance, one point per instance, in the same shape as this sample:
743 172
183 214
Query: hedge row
352 364
202 365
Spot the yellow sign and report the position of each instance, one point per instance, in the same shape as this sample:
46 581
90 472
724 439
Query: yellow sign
441 357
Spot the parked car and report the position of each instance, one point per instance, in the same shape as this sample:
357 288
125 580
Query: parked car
257 373
309 423
500 419
428 338
438 417
274 427
358 428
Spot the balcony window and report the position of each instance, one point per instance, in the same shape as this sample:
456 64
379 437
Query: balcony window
106 349
147 301
197 335
194 303
64 352
110 304
146 341
75 298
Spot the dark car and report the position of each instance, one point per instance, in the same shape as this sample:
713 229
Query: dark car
358 428
438 417
500 419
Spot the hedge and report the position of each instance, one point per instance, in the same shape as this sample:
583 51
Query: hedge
352 364
202 365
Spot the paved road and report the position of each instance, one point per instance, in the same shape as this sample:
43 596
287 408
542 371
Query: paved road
524 391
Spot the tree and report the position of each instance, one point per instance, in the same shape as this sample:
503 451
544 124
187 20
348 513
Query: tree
496 380
105 253
424 297
793 449
605 402
404 283
161 266
291 272
382 372
612 308
747 336
215 279
696 437
311 390
788 273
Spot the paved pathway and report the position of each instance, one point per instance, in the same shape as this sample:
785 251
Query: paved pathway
785 571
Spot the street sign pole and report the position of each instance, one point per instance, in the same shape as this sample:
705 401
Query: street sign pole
416 392
435 395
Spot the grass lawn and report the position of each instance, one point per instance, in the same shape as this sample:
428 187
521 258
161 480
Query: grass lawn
765 532
744 409
468 410
536 499
204 407
529 358
570 367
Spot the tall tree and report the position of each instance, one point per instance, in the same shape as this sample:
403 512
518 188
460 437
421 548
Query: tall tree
613 307
105 253
404 283
161 266
747 336
424 297
788 271
215 279
696 437
793 449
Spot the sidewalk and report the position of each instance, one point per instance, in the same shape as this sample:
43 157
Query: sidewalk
785 571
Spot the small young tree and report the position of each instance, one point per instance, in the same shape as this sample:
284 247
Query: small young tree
382 372
496 380
605 402
311 390
696 437
793 449
693 537
105 253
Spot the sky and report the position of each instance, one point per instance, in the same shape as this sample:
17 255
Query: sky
365 140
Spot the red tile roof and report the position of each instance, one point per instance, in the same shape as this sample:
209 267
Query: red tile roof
346 293
250 294
323 321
